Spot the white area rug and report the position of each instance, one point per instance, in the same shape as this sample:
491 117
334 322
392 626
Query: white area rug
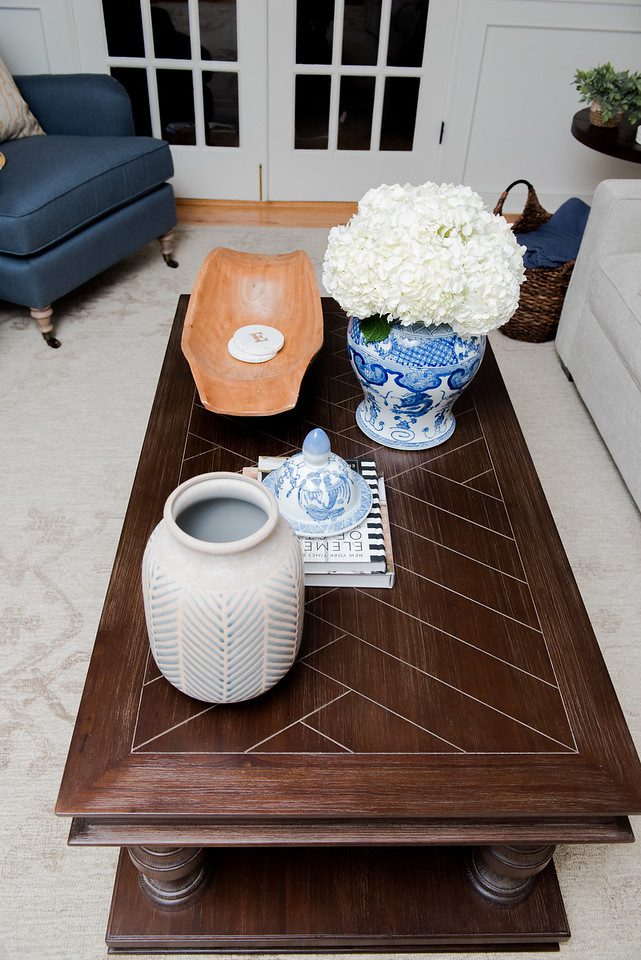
73 421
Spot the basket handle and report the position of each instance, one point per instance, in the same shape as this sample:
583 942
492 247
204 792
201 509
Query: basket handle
531 196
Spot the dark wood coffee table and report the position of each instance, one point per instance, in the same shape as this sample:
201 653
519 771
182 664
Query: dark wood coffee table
404 786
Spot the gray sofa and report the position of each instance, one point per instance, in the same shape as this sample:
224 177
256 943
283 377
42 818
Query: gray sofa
599 336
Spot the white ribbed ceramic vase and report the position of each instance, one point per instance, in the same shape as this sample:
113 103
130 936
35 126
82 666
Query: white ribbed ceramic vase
223 585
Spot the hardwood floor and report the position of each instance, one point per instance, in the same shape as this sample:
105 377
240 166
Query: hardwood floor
276 213
267 214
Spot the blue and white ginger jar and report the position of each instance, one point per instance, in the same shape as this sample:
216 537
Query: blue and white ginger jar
410 382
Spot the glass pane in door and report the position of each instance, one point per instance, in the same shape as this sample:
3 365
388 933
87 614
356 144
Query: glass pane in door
311 123
361 26
355 110
220 104
408 23
123 27
314 31
134 80
399 113
176 102
218 40
170 25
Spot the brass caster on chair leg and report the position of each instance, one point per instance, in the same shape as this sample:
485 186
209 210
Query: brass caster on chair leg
51 341
42 316
166 246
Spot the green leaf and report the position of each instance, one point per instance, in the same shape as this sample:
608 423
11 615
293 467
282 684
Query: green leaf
375 328
614 90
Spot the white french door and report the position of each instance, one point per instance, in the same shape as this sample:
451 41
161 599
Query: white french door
195 71
280 99
356 94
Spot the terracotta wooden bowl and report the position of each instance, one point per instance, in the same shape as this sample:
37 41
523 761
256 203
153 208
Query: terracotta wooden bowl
233 289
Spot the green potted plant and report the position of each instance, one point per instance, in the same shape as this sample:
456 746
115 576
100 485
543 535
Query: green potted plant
605 89
633 99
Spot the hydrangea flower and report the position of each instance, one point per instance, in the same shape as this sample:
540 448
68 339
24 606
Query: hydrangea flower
430 254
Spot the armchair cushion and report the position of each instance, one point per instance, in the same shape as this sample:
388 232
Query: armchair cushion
87 104
52 186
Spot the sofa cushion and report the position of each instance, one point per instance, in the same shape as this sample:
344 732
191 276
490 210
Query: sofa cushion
615 300
52 186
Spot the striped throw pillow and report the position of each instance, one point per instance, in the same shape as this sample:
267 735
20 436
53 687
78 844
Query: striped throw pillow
16 119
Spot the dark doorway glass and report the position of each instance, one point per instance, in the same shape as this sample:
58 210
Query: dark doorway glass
356 106
220 104
134 80
361 27
176 102
399 113
311 125
123 26
314 31
218 31
170 25
408 23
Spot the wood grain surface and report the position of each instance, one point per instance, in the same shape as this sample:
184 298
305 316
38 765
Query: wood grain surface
473 691
382 832
233 290
275 900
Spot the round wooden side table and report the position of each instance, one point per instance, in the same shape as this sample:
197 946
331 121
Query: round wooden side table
614 141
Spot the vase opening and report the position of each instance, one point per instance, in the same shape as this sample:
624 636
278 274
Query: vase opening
221 512
221 519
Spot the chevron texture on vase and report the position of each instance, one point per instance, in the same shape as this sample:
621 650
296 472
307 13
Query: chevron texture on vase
224 647
223 629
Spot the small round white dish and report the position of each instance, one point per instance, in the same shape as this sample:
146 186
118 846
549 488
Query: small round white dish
238 354
255 343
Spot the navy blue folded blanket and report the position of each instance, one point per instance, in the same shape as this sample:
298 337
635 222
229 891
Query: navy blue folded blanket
558 240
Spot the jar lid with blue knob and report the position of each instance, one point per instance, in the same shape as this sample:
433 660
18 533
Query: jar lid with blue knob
317 492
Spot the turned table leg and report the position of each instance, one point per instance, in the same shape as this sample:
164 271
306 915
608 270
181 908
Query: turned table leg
505 875
171 876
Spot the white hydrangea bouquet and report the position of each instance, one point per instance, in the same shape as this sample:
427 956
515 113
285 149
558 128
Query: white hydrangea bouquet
426 255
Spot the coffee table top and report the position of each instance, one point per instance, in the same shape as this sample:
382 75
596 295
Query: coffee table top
474 688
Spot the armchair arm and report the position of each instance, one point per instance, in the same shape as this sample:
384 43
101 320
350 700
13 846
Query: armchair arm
84 104
614 225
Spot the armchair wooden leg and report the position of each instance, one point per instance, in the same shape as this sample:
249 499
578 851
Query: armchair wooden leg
42 316
167 248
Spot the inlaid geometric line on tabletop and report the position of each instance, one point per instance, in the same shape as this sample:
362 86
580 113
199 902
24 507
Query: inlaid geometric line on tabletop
459 634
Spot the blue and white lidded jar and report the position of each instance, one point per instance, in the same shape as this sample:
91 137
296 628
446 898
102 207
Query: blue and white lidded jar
410 382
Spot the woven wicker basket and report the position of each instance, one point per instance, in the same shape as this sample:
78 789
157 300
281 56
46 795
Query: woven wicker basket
596 116
543 292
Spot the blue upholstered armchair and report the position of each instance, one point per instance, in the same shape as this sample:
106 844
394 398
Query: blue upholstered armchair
78 200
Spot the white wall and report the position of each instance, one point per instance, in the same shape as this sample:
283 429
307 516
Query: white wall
512 100
38 36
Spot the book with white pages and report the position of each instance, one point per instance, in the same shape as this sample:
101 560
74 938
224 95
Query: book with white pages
361 557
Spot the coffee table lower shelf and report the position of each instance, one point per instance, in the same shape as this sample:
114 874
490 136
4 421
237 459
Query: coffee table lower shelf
372 899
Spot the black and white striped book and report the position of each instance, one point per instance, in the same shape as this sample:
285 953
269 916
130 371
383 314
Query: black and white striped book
361 550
